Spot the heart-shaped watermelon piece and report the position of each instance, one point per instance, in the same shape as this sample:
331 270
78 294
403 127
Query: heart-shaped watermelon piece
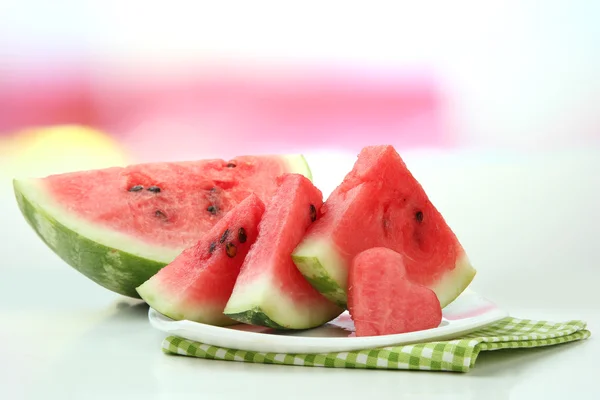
383 301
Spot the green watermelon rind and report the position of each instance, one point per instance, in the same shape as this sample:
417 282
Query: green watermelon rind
319 278
322 267
113 269
98 253
255 304
299 165
325 269
256 316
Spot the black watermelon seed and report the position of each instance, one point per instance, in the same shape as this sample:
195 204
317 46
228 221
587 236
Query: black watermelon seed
160 214
313 213
224 236
154 189
212 247
136 188
212 210
230 249
419 216
242 237
231 165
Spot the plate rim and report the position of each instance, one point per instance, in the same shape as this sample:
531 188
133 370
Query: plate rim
255 339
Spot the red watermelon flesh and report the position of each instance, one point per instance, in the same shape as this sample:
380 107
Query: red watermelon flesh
198 283
270 291
381 204
168 204
383 301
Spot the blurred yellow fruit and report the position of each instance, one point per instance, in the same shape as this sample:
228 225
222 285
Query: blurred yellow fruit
56 149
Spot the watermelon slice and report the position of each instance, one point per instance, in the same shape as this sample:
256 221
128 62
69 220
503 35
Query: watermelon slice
198 283
382 301
270 291
380 204
119 226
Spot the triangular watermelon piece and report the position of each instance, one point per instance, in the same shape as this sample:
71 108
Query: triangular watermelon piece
270 291
197 284
381 204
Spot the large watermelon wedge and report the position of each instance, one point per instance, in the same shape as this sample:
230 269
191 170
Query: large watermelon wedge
119 226
380 204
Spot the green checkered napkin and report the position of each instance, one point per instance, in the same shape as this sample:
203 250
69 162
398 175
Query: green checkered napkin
453 355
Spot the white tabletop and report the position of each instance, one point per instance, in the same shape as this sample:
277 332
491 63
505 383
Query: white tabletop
530 224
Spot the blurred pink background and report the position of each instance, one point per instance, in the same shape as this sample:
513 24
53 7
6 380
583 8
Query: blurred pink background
199 79
212 110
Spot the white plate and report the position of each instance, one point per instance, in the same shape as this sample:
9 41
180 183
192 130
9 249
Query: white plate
467 313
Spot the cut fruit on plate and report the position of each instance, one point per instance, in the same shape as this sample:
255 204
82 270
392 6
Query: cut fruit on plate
467 313
198 283
380 204
119 226
270 291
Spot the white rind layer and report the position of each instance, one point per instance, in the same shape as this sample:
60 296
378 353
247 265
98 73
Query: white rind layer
174 306
263 300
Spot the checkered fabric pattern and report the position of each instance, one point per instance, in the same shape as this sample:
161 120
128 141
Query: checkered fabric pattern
454 355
